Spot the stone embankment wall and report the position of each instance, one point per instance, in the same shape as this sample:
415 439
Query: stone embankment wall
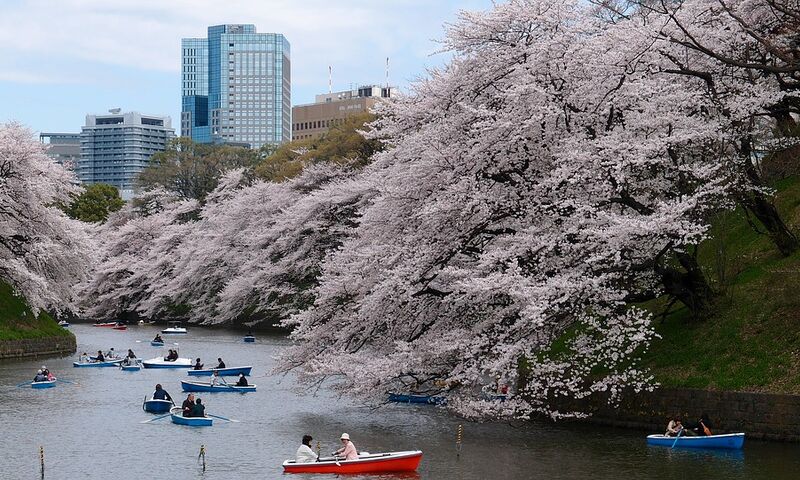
759 415
33 347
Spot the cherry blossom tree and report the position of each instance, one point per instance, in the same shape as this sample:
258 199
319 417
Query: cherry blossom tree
43 254
537 185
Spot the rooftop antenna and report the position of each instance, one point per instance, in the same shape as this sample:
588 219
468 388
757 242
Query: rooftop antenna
114 111
387 72
330 80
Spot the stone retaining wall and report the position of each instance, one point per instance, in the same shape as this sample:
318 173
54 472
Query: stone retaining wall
34 347
759 415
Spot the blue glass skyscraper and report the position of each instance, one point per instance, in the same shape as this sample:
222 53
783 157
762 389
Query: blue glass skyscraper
236 87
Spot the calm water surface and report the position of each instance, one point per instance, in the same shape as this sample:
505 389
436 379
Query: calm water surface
93 430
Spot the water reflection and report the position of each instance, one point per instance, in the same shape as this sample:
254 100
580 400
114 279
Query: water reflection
93 428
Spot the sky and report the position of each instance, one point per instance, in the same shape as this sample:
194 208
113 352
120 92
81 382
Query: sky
62 59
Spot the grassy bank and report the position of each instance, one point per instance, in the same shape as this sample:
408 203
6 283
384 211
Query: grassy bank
18 322
752 342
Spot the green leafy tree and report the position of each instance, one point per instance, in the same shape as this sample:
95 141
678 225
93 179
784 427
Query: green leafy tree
192 170
342 145
95 203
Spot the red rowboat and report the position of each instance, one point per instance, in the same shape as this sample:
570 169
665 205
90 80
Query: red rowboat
367 463
110 324
121 327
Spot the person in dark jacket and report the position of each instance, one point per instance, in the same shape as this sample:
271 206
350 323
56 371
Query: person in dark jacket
197 364
40 377
161 394
221 363
187 405
158 338
199 410
100 357
242 381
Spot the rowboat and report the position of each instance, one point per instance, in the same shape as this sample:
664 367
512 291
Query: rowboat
729 440
223 372
135 367
159 362
249 339
106 324
156 406
412 398
177 417
44 384
174 328
156 344
120 327
206 387
407 461
107 363
63 323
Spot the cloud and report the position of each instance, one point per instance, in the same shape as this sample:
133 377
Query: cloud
354 35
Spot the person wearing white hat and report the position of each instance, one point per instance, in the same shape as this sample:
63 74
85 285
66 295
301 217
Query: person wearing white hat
348 450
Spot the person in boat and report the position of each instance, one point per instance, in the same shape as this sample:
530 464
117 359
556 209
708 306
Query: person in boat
158 338
242 381
187 405
702 427
111 354
197 364
674 427
304 453
130 358
217 380
84 358
46 372
161 394
100 357
199 410
40 377
348 450
221 363
171 356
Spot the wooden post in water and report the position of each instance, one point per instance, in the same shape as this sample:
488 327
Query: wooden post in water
459 434
203 456
41 459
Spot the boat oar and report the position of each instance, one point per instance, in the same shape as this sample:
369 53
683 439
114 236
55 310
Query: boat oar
24 383
66 381
222 418
157 418
677 437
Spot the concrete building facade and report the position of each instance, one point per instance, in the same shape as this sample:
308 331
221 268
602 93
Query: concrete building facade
64 148
315 119
117 146
236 87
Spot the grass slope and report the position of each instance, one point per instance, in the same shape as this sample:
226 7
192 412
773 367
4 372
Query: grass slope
752 343
17 321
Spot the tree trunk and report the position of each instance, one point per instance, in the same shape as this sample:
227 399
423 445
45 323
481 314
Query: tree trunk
689 285
756 203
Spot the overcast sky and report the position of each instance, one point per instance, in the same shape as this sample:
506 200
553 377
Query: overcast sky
62 59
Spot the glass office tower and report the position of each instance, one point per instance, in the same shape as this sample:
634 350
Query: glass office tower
236 87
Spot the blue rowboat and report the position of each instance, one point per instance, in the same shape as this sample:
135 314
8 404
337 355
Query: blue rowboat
729 440
411 398
45 384
179 419
156 344
223 372
109 363
159 362
205 387
156 406
249 339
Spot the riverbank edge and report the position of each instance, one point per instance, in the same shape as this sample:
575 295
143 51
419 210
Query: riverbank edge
762 416
38 347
